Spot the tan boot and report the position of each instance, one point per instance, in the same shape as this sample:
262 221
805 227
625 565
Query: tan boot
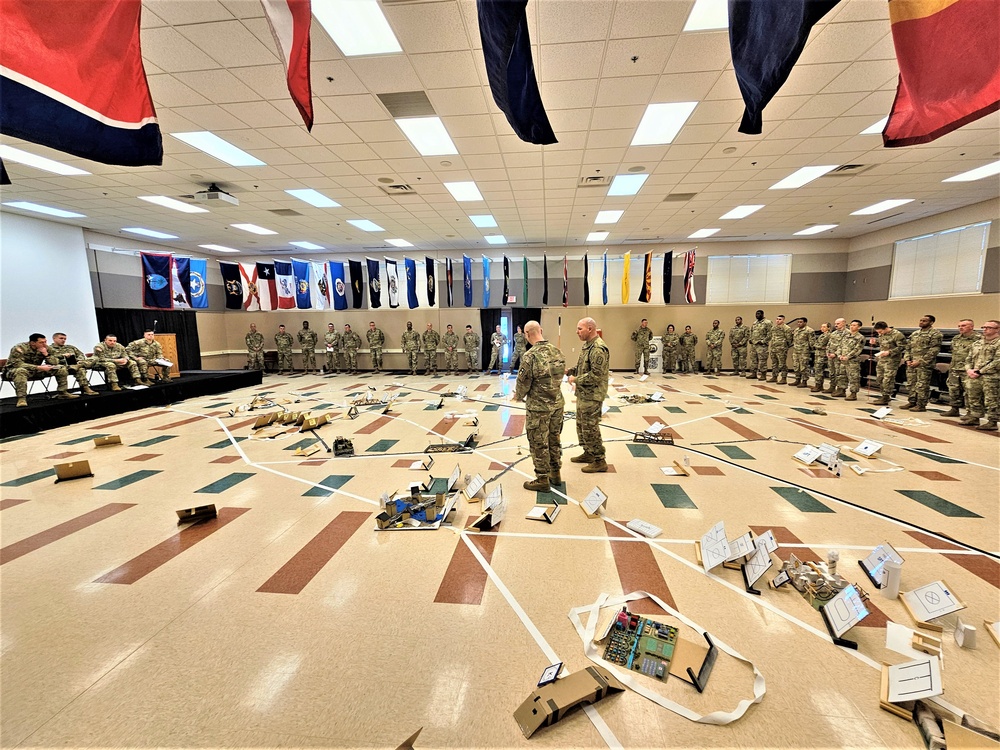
115 387
908 405
583 458
952 412
66 395
599 466
555 477
851 396
538 484
990 425
88 391
838 393
816 388
22 401
968 419
881 402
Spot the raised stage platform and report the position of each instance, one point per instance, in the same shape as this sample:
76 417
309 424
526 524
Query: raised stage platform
44 413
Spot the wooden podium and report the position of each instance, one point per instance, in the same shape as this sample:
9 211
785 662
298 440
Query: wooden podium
169 343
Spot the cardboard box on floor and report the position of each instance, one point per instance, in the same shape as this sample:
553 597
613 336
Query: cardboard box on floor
550 703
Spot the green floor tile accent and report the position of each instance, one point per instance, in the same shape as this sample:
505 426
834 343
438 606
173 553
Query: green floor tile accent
28 479
939 504
821 397
216 406
673 496
334 482
355 394
614 410
403 394
221 485
675 409
741 411
377 407
640 450
765 396
381 446
125 481
735 452
303 443
438 486
551 498
84 439
709 395
927 453
12 438
153 441
225 443
803 409
802 500
322 406
311 393
432 407
491 407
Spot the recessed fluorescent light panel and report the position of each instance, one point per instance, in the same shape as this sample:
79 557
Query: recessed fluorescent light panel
400 243
428 135
707 15
876 128
662 122
627 184
484 220
817 229
464 191
221 149
253 229
219 248
150 233
608 217
40 209
741 212
365 225
313 198
878 208
358 27
162 200
597 236
307 245
38 162
976 174
803 177
702 233
496 239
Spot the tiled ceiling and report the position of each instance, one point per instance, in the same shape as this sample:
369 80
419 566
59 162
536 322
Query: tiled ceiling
213 65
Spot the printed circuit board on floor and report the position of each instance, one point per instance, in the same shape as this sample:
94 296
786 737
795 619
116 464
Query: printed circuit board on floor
641 645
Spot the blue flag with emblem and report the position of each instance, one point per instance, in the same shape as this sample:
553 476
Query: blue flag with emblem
486 281
411 283
199 291
338 285
156 273
604 282
303 295
467 279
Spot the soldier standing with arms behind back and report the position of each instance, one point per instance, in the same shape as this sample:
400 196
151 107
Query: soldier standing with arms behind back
921 355
333 342
498 341
780 340
411 347
471 342
714 339
590 378
376 340
352 342
739 335
983 373
30 361
642 336
255 348
688 341
961 347
539 385
307 343
450 342
671 342
283 341
520 344
820 343
760 335
62 353
851 346
833 355
890 344
802 339
432 339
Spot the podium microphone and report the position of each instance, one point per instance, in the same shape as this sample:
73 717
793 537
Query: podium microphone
154 325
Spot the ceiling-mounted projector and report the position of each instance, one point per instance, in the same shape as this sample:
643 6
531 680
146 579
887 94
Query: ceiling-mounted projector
214 193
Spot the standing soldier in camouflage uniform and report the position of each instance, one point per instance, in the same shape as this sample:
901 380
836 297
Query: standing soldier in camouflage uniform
671 344
284 343
852 343
307 343
450 341
110 350
961 347
833 353
432 340
921 355
642 336
739 335
539 385
520 344
802 339
590 378
255 348
498 341
471 343
145 352
411 346
688 341
351 342
376 340
890 351
714 339
30 361
760 335
819 346
983 373
333 342
778 343
61 352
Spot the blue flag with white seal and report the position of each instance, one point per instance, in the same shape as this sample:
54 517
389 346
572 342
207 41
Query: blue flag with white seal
486 281
467 279
338 285
411 283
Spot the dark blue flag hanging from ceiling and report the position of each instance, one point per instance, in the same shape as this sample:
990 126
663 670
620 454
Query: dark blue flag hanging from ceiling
357 284
411 283
586 280
232 281
503 28
374 284
338 286
506 280
303 295
766 38
156 274
545 280
449 276
430 266
668 273
467 279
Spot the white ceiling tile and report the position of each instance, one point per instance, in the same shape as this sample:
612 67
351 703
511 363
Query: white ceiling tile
178 14
565 121
357 107
460 126
573 21
385 73
685 87
567 62
442 70
609 138
606 118
171 52
568 94
428 27
842 42
168 91
631 58
699 52
258 114
211 117
462 101
624 91
643 18
230 43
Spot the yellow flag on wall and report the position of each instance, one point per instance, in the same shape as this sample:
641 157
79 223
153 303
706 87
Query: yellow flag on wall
625 272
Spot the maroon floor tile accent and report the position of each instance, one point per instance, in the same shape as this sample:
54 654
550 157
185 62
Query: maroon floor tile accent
924 437
465 579
934 476
269 385
368 429
226 460
294 575
64 454
692 402
514 426
438 387
443 426
739 429
718 388
766 388
238 425
818 473
828 434
144 564
310 387
314 462
172 425
11 502
497 466
982 566
708 471
638 571
784 535
483 387
144 457
125 421
57 532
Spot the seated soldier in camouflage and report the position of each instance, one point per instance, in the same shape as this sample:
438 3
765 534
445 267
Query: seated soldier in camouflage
145 352
77 362
110 350
33 361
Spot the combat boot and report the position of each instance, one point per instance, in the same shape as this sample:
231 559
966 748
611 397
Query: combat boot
952 412
837 393
599 466
851 396
828 389
968 419
66 395
908 405
22 401
881 402
990 425
555 477
782 380
918 407
751 375
761 377
803 384
88 391
538 484
818 388
115 387
771 379
583 458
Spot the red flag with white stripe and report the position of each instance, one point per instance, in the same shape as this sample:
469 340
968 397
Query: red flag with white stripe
290 21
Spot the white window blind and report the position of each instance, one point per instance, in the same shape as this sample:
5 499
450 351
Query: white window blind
948 262
748 278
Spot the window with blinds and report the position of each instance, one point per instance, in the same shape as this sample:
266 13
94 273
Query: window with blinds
748 278
948 262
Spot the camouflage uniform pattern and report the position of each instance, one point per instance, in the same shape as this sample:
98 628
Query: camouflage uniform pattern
83 363
714 339
687 341
308 339
376 340
820 362
849 372
738 338
284 343
539 385
642 336
520 345
886 367
802 340
450 342
103 353
961 347
432 340
334 343
778 343
923 345
352 342
144 353
255 350
671 345
497 341
471 343
411 347
22 366
760 334
835 365
591 378
984 391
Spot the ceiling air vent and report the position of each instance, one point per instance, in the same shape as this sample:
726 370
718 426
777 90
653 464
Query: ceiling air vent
530 243
594 180
642 240
284 212
679 197
407 104
398 189
847 170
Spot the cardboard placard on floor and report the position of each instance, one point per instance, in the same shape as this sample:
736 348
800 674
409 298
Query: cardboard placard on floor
550 703
100 442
